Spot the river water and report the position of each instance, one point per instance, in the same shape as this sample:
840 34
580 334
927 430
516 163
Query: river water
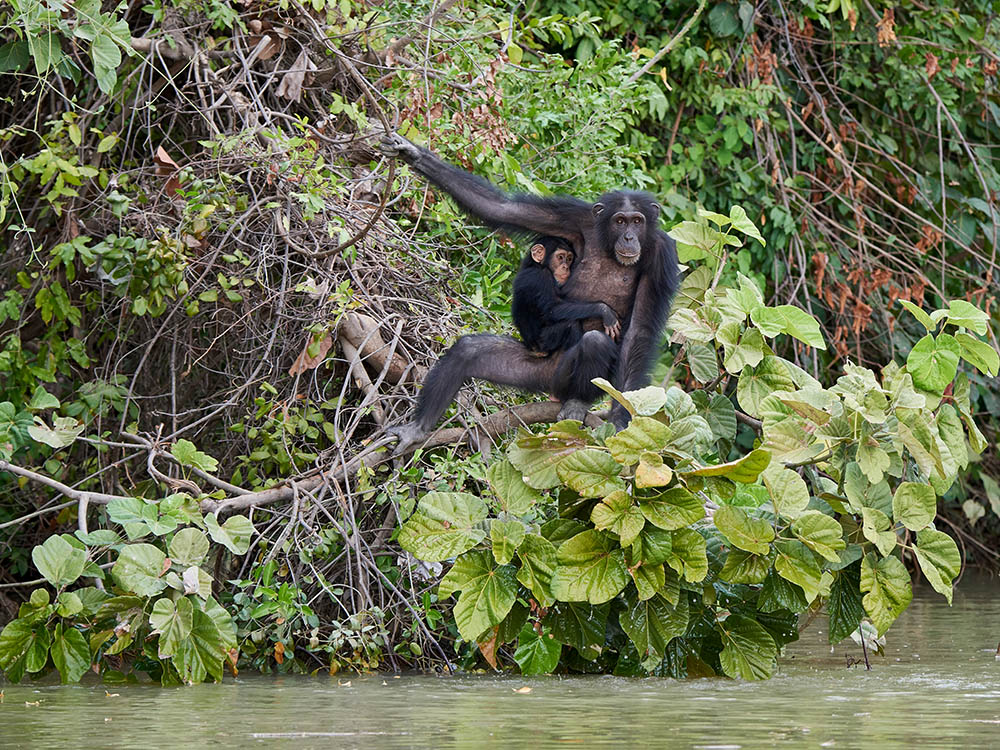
938 686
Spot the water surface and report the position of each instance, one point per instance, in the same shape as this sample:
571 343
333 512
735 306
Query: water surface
938 686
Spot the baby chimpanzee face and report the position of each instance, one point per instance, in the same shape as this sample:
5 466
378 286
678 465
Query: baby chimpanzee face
560 263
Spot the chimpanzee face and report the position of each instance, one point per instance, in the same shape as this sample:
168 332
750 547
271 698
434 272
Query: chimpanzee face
559 260
628 223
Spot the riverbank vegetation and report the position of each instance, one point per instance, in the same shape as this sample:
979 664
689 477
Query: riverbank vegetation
214 294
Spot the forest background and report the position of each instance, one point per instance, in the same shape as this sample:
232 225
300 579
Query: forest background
211 283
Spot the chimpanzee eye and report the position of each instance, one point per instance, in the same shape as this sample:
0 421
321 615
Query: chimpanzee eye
621 220
638 220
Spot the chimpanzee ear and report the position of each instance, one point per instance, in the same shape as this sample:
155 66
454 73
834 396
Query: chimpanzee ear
598 209
538 252
655 208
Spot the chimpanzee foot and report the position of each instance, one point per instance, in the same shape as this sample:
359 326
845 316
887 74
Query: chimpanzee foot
409 435
574 409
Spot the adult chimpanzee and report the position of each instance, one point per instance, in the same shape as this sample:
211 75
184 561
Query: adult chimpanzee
625 261
547 322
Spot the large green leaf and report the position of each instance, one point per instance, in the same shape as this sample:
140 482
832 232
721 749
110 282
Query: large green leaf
23 648
980 354
578 624
139 569
874 526
445 525
485 600
202 653
844 605
59 562
888 590
745 567
791 320
642 434
872 460
967 315
652 472
537 456
796 563
757 383
749 650
188 547
777 594
751 534
505 538
789 493
508 484
652 623
537 653
591 473
933 362
648 579
672 509
745 470
590 568
821 533
235 534
70 653
172 622
538 562
619 514
914 505
188 455
652 546
939 560
688 555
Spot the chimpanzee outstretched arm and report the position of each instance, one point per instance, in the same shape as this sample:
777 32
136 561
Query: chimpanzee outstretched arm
562 217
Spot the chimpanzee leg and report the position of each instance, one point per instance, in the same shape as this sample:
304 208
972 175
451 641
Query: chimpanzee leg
498 359
593 357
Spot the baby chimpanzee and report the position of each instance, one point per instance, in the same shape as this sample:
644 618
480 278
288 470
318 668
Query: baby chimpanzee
547 321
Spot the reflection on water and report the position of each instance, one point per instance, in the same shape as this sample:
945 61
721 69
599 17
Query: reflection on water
938 686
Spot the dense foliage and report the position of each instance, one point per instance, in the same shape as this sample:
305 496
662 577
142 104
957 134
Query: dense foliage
200 246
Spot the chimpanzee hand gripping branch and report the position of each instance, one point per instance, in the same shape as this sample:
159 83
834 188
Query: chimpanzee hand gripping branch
625 261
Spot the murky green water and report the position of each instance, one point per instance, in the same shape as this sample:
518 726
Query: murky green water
937 687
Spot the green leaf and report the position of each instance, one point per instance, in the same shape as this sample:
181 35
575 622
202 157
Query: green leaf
745 470
821 533
590 568
920 315
70 654
914 505
538 562
702 361
648 579
652 546
874 526
742 222
486 598
591 472
777 594
223 623
939 560
107 143
139 568
506 537
872 460
751 534
42 400
672 509
749 650
445 525
619 514
68 604
757 383
652 472
933 362
699 236
688 555
173 624
643 434
63 432
789 493
844 605
579 625
791 320
888 590
508 484
651 624
796 563
235 534
59 562
980 354
744 567
23 648
967 315
647 401
721 417
537 654
188 547
201 654
187 455
617 395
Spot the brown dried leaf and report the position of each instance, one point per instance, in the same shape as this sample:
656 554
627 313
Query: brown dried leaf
167 167
886 28
931 65
292 82
306 362
279 652
488 648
